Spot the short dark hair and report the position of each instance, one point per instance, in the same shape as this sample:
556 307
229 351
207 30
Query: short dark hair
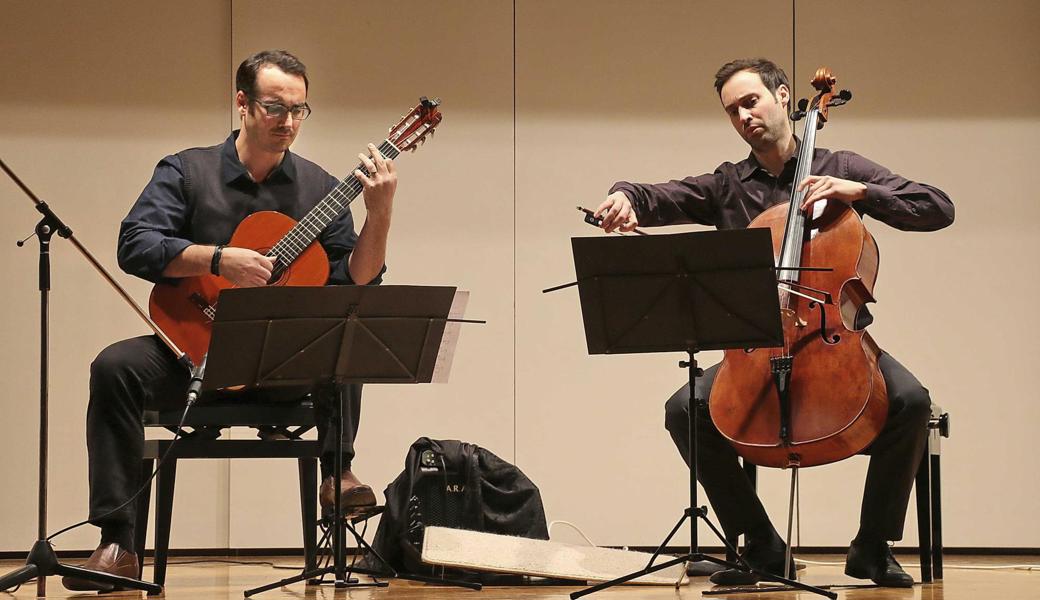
245 78
770 73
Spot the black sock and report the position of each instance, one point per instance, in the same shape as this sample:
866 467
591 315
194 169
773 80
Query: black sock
118 534
866 539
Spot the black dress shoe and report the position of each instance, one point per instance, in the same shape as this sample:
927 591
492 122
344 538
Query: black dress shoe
874 561
108 558
767 557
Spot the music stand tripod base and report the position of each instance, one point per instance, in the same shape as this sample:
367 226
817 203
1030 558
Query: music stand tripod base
688 292
330 336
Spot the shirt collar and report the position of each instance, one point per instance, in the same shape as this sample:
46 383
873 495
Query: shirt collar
232 168
747 167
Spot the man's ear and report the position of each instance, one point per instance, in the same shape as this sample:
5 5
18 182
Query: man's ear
241 102
783 95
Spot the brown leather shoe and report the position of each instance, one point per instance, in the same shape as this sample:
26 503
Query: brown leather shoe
108 558
354 493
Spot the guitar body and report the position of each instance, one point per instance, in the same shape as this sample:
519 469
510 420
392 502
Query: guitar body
185 310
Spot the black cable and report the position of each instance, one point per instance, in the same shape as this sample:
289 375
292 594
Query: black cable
147 484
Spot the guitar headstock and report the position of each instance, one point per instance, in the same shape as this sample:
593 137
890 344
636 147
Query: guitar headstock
414 127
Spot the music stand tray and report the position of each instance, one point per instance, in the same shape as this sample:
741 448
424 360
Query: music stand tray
686 292
279 336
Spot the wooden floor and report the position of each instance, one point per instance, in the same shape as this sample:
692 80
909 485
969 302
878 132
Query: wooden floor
227 581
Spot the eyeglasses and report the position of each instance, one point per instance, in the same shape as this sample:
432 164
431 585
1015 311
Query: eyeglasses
278 110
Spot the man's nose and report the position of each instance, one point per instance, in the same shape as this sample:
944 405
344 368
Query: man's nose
745 115
287 120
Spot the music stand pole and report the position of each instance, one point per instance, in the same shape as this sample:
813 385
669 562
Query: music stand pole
333 335
683 292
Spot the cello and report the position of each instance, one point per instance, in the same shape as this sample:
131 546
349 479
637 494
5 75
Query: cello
819 398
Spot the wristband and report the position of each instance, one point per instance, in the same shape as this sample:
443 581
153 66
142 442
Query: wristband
214 264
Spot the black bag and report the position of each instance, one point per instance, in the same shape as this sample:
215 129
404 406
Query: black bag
459 485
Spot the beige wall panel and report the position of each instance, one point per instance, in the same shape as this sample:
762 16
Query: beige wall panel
608 91
95 98
938 98
368 65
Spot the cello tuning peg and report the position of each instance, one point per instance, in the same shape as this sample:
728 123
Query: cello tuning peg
803 104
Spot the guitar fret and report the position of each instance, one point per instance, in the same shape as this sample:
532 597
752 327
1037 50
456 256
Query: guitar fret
309 228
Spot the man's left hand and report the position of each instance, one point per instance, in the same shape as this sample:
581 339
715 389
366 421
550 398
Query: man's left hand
380 182
821 187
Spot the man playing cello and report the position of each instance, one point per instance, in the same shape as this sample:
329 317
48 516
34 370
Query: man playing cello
756 96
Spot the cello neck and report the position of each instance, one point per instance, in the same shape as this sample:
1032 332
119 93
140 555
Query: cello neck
794 233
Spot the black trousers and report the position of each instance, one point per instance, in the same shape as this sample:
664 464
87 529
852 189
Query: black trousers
894 457
140 374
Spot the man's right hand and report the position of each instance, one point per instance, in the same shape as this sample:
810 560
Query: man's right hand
617 213
244 267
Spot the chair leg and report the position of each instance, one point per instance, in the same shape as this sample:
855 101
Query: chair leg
141 517
163 516
937 544
309 511
923 487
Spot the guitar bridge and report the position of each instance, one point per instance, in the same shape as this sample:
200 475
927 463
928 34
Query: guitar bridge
200 303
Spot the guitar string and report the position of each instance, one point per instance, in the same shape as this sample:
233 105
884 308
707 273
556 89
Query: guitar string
296 241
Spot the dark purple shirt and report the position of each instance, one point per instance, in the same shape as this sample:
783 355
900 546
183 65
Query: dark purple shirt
732 196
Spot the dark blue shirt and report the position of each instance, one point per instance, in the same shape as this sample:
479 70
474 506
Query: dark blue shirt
182 206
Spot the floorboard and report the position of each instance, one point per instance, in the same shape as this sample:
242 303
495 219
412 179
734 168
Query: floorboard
216 580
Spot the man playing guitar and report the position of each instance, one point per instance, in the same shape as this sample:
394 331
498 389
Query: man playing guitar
177 229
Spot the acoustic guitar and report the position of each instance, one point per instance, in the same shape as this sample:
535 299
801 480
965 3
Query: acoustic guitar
185 309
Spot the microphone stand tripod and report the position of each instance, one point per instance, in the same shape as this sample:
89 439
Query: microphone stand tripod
42 561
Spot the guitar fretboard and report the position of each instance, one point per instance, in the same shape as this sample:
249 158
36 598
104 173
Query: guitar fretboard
289 248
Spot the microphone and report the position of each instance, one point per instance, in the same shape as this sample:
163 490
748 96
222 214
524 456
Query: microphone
196 380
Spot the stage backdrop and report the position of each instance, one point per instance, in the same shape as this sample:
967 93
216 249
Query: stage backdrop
546 104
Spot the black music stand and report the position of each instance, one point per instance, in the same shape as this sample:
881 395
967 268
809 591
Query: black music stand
685 292
299 336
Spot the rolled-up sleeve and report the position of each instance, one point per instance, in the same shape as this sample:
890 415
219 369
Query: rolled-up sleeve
150 235
896 200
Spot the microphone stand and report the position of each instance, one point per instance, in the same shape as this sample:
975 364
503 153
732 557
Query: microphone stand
42 561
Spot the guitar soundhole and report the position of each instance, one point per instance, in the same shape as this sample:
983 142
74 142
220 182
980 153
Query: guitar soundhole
279 275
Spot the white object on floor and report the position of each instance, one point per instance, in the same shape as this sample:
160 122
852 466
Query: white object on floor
541 558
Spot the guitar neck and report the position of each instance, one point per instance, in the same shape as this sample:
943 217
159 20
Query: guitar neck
289 248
